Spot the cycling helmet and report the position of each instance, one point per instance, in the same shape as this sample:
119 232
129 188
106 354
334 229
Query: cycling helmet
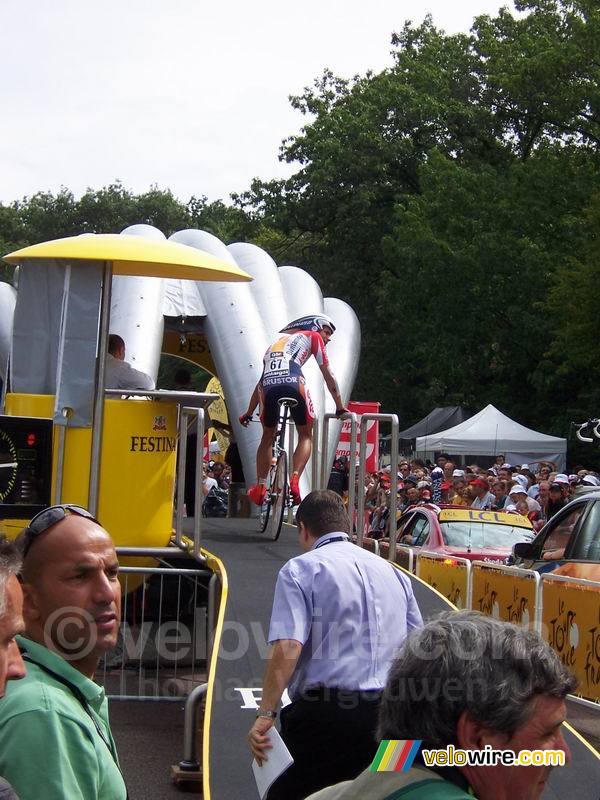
311 322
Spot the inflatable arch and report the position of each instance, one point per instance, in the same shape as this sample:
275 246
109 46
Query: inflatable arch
224 327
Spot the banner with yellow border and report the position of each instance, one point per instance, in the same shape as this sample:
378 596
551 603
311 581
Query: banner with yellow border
571 626
450 576
506 593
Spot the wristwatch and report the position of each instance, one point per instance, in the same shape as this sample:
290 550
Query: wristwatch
268 714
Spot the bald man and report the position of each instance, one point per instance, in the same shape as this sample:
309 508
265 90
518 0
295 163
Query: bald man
55 738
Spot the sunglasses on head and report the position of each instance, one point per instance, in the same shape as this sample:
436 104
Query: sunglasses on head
47 518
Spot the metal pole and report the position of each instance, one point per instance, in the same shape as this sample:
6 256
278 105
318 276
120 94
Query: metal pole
214 586
362 470
324 451
394 483
155 552
290 459
315 454
350 415
364 420
60 460
190 761
352 472
181 475
98 423
198 488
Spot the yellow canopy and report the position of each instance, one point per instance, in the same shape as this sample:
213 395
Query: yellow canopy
133 255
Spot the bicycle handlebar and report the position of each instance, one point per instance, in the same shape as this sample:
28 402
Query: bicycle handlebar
593 424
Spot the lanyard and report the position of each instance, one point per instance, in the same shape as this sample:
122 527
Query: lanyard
331 541
80 697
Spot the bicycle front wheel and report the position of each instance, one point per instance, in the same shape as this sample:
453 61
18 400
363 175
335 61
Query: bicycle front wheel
279 490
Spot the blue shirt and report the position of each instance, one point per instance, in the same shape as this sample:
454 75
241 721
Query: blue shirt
350 609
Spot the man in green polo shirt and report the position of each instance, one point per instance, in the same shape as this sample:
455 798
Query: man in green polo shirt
55 738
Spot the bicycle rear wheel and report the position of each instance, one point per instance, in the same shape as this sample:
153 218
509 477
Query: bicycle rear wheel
279 490
265 509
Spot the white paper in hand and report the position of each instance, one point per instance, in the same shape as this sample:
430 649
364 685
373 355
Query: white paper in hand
279 760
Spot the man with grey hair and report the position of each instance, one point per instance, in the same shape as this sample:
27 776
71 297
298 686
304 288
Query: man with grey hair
478 684
11 623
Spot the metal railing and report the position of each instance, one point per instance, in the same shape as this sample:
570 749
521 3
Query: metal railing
325 456
190 414
362 458
167 626
190 761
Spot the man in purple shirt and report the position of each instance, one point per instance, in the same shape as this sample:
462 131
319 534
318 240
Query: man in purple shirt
339 615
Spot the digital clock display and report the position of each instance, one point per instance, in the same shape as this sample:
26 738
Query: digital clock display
25 466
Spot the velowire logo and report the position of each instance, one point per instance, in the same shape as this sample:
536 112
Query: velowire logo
395 755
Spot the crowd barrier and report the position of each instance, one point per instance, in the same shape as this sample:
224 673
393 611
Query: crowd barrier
165 635
571 624
451 577
565 611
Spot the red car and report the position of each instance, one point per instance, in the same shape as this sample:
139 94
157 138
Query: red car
458 531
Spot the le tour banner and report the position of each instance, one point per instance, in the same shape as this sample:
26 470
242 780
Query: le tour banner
372 433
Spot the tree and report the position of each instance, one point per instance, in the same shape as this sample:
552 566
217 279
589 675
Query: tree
47 216
443 196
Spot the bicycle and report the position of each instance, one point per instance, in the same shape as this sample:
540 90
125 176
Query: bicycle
278 497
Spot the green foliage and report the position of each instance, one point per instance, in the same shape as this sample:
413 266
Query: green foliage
452 199
448 200
111 209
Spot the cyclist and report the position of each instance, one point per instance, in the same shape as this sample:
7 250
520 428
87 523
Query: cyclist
282 377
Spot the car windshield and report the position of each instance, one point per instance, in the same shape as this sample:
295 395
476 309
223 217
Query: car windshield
483 534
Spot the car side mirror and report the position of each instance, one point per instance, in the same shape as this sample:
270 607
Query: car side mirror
523 550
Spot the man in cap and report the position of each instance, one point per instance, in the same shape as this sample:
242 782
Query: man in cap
521 480
518 494
481 497
55 738
411 491
557 499
505 473
459 487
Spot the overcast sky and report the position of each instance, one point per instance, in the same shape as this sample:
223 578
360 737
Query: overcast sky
186 94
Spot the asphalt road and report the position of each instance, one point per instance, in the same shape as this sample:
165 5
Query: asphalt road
149 735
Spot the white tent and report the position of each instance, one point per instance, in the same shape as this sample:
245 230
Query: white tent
489 433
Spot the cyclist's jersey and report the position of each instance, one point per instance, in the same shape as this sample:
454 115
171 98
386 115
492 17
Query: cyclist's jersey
284 358
282 375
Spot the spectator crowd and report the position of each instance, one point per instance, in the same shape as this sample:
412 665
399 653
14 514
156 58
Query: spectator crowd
537 491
